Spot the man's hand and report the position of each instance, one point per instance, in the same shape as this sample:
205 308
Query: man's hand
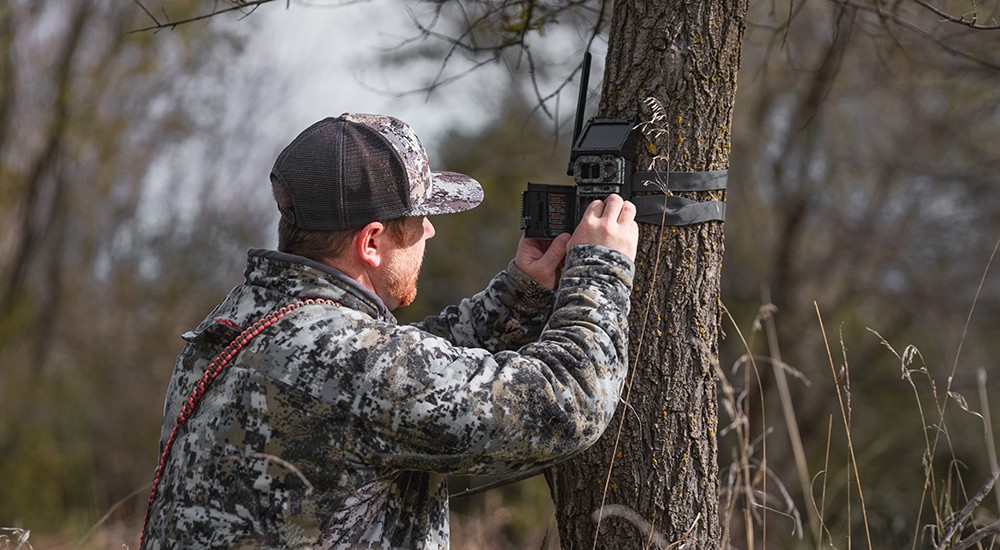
610 223
542 259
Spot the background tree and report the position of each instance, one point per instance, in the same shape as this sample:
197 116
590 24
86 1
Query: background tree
866 187
104 248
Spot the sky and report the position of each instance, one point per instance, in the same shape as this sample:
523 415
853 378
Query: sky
327 58
302 63
326 55
307 60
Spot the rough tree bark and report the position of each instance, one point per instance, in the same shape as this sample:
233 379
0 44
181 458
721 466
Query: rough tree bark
658 481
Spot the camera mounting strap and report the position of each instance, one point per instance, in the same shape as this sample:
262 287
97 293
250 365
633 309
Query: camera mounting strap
681 181
664 210
659 209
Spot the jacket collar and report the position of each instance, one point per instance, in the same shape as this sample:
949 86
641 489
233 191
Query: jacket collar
306 278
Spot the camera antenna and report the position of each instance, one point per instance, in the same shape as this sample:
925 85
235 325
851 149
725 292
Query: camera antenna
581 101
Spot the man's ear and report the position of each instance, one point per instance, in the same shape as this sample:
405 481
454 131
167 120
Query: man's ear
369 243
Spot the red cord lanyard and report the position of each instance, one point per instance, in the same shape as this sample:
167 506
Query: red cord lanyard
211 372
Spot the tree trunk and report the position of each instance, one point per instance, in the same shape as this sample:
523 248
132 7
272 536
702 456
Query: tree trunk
655 471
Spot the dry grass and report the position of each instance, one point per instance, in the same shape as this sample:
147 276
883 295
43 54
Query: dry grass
756 500
951 514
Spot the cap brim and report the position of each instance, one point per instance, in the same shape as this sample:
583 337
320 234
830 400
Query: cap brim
450 192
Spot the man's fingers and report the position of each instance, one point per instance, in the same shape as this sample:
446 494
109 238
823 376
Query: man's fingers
612 207
627 213
610 223
595 208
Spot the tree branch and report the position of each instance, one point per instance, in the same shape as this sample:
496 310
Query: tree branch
960 518
913 27
157 25
149 13
979 535
945 16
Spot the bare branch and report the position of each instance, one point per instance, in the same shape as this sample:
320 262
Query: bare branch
972 22
151 16
252 4
496 484
963 515
974 538
913 27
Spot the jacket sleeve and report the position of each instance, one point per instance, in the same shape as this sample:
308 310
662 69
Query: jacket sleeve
509 313
427 404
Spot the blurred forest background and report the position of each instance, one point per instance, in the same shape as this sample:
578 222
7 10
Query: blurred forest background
133 177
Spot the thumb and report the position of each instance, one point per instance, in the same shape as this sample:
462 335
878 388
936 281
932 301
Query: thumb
556 251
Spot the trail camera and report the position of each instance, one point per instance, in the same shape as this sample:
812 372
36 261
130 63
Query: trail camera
601 163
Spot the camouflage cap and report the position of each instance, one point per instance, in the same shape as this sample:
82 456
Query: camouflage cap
351 170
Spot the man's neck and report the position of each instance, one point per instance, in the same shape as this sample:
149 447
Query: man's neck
354 270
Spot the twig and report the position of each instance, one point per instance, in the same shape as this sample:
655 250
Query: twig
173 24
905 360
847 426
916 29
952 527
140 491
151 16
826 469
747 447
972 309
788 409
496 484
974 538
991 446
958 20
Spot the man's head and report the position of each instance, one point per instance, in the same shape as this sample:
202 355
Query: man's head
354 191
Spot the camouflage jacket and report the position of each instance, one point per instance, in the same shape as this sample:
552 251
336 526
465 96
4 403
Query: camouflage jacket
335 426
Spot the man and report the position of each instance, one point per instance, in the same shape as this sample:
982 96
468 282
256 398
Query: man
300 414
